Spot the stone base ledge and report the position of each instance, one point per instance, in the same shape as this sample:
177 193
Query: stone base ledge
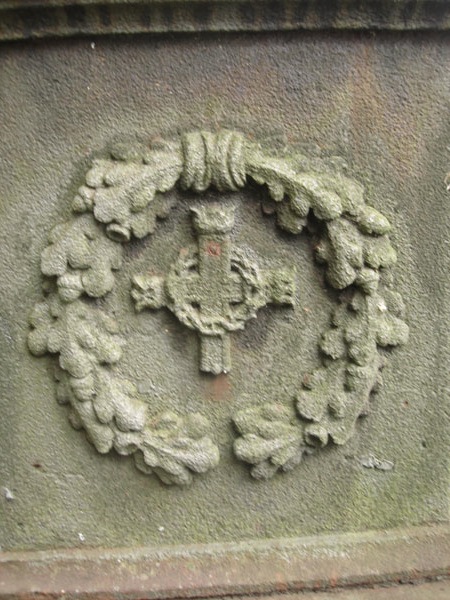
212 570
435 590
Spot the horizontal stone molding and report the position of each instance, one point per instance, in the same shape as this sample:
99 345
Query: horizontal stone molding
212 570
28 19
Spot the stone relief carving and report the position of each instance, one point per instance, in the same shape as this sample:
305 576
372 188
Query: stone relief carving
214 289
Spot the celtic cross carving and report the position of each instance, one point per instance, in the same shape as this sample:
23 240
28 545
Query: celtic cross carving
214 288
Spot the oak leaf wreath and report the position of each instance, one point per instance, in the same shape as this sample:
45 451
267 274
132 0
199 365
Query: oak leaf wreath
123 197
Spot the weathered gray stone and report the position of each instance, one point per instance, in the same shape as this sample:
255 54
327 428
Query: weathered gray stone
303 173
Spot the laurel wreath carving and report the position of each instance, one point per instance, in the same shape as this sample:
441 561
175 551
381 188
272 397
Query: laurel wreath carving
123 197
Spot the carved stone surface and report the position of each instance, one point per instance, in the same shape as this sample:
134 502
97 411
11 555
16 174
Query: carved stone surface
324 155
215 289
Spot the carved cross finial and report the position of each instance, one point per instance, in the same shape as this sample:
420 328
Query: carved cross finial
214 288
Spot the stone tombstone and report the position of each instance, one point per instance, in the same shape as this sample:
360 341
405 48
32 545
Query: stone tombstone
225 301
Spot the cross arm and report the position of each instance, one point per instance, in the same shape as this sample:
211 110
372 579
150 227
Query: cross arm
280 286
149 291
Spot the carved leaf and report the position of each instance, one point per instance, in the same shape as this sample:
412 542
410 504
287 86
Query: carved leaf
104 406
335 395
354 242
85 341
100 435
81 258
172 447
353 257
80 335
113 416
271 439
118 399
124 195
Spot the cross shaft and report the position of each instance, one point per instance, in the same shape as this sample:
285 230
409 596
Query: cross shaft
214 284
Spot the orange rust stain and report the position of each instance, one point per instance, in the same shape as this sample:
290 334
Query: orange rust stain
333 581
281 586
213 249
378 113
307 378
219 388
280 582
